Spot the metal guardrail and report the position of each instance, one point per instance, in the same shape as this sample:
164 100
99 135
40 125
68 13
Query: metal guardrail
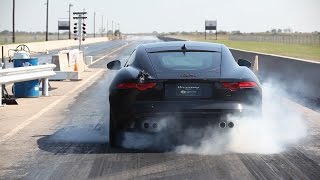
22 74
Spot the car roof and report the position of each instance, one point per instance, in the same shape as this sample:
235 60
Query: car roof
177 46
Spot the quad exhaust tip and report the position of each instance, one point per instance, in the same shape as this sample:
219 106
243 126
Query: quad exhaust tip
155 125
230 124
146 125
224 124
150 125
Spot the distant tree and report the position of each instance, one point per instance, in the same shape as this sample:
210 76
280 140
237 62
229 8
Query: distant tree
287 30
279 31
222 32
102 30
274 31
184 33
236 32
154 32
109 32
117 33
5 32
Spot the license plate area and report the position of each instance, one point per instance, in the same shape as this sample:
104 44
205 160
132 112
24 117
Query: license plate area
188 90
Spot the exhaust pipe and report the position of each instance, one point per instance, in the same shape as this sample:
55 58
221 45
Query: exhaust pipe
230 124
155 125
145 125
222 124
150 125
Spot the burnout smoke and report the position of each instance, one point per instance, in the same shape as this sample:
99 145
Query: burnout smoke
158 139
279 127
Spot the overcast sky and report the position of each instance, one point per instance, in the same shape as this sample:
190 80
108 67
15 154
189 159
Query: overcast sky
168 15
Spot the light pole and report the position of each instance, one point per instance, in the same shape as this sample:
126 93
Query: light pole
47 20
112 27
70 5
102 30
94 24
107 28
13 18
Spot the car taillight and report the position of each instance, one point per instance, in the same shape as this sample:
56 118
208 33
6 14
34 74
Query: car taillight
233 86
138 86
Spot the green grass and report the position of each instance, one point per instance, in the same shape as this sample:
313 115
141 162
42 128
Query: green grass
292 50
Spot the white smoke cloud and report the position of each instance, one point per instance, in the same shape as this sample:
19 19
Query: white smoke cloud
156 138
279 127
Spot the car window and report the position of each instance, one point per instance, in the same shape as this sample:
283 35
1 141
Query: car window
172 61
131 59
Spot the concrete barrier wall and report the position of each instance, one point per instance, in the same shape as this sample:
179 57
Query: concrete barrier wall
295 75
50 45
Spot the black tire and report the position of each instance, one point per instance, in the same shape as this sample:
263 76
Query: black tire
112 131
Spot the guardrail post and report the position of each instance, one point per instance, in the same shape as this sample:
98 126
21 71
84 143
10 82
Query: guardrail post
2 58
0 94
255 68
45 87
1 65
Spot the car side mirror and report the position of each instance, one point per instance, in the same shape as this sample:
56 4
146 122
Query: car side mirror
244 62
114 65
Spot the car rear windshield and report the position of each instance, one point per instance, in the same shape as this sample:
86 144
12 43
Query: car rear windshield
180 61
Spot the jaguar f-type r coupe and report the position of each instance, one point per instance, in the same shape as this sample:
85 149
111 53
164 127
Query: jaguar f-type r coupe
193 82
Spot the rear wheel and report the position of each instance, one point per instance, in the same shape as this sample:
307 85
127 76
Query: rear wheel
112 131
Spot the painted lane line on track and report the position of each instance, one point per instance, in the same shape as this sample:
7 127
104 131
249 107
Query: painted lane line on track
113 51
48 108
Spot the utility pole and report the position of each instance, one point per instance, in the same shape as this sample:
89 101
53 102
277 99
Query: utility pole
102 27
112 27
119 30
205 31
47 20
94 24
13 23
107 28
70 5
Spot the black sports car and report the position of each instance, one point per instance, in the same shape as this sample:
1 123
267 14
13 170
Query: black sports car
197 83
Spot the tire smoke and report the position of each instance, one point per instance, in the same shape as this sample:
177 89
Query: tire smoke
280 126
